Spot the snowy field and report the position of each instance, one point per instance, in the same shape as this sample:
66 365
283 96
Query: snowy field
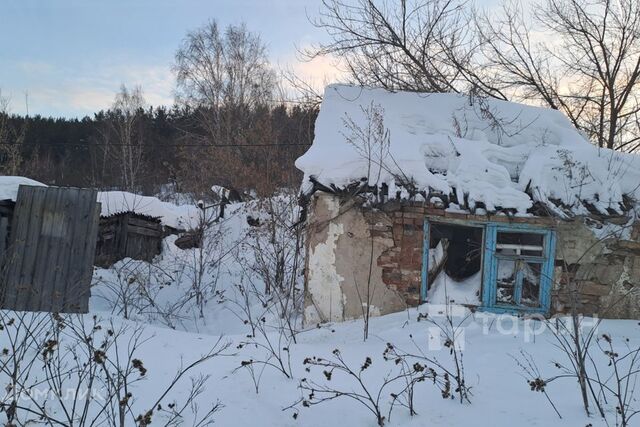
189 301
501 396
500 393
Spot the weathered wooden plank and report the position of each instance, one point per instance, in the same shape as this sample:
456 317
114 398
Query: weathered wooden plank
49 252
29 218
148 223
65 206
4 231
6 210
87 250
69 285
52 232
52 250
124 232
30 290
18 246
90 252
133 229
83 251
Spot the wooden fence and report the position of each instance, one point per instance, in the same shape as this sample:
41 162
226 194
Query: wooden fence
48 263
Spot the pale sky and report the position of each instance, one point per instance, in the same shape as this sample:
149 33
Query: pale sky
71 56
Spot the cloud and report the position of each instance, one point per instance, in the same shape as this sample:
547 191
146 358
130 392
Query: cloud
317 73
156 82
85 90
320 70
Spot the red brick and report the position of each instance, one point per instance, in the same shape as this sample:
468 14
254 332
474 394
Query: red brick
415 209
434 211
456 215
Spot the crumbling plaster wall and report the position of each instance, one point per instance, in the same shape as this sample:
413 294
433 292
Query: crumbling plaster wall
342 266
605 272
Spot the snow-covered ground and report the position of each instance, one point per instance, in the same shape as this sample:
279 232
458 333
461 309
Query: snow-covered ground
159 298
500 393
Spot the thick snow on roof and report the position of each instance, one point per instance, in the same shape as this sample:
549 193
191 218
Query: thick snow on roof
494 152
114 202
9 186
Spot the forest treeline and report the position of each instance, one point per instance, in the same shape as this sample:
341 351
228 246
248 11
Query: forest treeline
160 147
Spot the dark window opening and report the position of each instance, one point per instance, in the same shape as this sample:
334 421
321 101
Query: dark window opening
461 249
455 264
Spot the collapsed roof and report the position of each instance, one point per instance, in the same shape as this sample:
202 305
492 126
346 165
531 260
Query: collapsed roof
482 153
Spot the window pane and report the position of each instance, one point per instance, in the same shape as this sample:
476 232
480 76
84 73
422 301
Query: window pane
531 273
517 243
506 281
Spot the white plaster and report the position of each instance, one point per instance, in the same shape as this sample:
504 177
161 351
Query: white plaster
324 284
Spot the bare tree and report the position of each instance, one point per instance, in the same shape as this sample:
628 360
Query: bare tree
578 56
128 105
221 75
217 69
405 45
293 88
11 140
214 68
371 140
122 136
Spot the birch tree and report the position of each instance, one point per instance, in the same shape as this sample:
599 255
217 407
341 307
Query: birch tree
122 136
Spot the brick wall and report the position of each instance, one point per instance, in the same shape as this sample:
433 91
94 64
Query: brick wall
402 263
403 225
599 278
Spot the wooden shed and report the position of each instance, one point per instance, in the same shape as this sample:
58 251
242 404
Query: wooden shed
128 235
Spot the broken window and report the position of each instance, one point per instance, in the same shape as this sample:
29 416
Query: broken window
519 262
509 266
455 263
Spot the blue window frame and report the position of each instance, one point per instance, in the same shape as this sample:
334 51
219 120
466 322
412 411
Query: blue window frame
518 263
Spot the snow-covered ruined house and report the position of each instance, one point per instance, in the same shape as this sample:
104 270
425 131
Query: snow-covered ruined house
439 198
